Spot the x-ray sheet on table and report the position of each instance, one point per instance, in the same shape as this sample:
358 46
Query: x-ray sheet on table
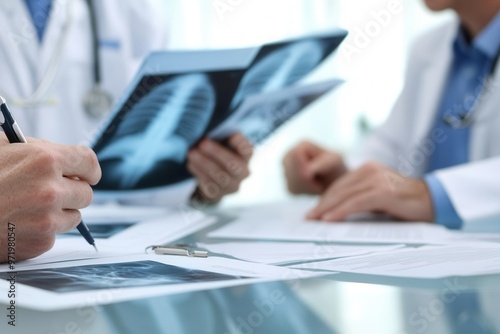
178 97
262 114
73 284
280 253
286 221
425 262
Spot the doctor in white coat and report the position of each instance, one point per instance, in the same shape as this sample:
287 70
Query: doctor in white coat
437 157
48 71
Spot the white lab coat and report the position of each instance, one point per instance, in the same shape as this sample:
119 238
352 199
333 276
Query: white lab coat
128 30
474 188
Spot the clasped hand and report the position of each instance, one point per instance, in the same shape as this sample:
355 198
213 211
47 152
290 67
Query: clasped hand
372 187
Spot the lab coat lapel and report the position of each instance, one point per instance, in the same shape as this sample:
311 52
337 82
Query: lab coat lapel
21 47
433 80
54 31
485 126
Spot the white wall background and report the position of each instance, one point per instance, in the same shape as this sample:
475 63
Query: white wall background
374 74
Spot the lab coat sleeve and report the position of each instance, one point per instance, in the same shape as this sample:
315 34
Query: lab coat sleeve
474 189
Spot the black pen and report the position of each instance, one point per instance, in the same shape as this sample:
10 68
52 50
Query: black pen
15 135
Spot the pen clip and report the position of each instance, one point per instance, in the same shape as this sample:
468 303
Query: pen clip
180 250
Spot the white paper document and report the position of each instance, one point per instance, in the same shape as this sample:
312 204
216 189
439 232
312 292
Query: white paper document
135 237
465 237
285 221
160 231
425 262
280 253
116 213
112 280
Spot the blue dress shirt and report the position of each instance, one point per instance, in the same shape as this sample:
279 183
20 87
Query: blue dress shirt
472 64
39 10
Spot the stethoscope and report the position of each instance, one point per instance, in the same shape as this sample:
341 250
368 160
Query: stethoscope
96 102
468 116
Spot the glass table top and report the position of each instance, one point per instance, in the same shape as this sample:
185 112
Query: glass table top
337 303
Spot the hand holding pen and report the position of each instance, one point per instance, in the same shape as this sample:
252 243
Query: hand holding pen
42 187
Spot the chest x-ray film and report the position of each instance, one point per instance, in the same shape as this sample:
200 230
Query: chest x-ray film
177 98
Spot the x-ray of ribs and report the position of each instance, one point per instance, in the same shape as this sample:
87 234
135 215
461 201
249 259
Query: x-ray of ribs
162 126
279 69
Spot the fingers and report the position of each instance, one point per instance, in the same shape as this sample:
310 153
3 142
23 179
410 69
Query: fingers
304 153
370 189
220 170
76 194
70 218
345 196
195 167
72 161
57 221
241 146
38 236
357 203
223 158
206 170
311 169
346 187
82 162
327 167
296 164
32 244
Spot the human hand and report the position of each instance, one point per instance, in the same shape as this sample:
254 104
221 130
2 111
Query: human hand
309 169
375 188
42 186
219 170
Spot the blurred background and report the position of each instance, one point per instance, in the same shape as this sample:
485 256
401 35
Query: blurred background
373 70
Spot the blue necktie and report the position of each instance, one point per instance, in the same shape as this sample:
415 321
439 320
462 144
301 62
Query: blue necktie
463 83
40 11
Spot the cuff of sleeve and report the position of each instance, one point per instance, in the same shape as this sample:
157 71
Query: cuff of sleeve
444 211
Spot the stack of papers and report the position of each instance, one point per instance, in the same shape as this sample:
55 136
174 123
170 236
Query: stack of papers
286 221
446 253
281 253
425 262
71 273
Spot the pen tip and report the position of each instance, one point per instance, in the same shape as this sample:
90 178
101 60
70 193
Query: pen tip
95 247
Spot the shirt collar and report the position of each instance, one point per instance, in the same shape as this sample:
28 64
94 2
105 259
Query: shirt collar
487 42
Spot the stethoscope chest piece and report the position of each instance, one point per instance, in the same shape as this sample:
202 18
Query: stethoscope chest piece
97 103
